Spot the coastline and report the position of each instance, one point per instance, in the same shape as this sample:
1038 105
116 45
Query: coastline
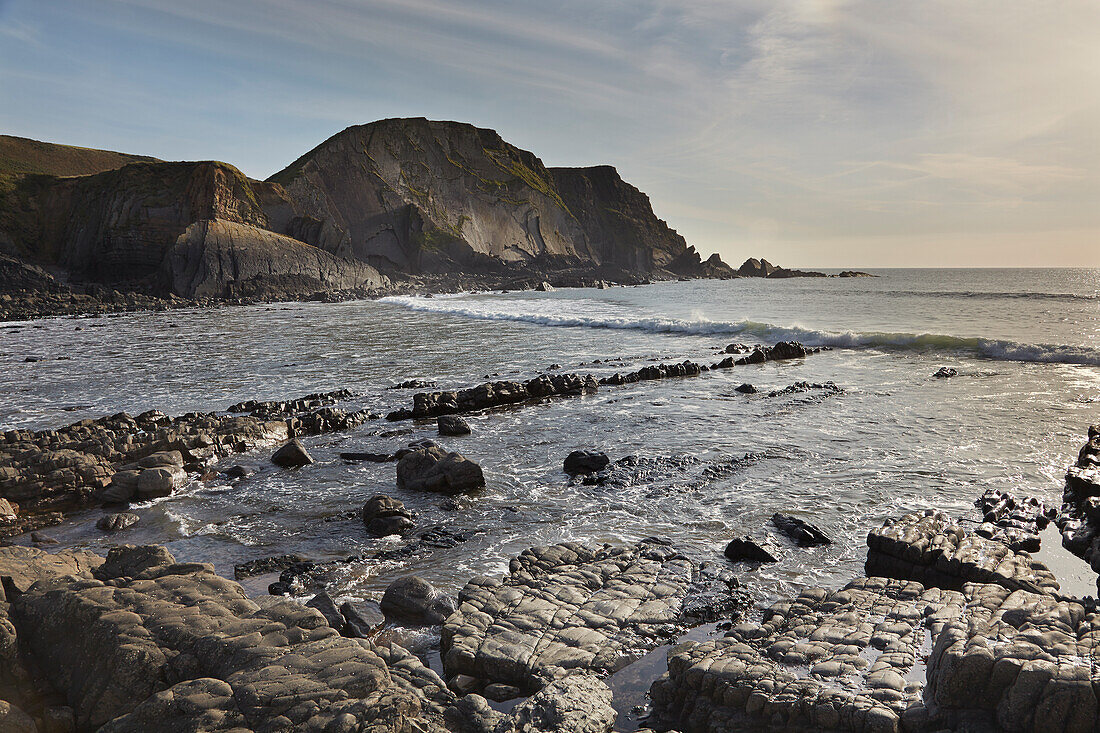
933 559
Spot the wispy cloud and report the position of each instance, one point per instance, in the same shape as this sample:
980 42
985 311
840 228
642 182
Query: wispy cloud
755 125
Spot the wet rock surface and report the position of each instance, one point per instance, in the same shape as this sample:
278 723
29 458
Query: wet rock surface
1079 520
569 607
984 642
150 644
435 469
124 458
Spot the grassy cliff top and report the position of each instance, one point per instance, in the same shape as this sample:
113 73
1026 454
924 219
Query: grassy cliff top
19 155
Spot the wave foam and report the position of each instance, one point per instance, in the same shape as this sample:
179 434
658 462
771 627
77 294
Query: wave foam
534 311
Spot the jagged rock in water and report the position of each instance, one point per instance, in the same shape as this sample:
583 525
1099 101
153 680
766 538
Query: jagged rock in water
1079 520
745 389
802 533
746 549
452 425
946 372
292 455
570 607
117 522
435 469
826 388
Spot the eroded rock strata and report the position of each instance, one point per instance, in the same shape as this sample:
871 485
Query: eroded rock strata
569 607
984 642
1079 521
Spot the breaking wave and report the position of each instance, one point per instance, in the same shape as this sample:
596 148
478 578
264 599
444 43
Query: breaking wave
535 311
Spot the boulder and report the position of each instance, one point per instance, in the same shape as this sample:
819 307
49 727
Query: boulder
544 287
746 549
122 489
802 533
116 522
745 389
292 455
154 483
453 425
435 469
383 515
585 461
323 602
578 703
413 600
946 372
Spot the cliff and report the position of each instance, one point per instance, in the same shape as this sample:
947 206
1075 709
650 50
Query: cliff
117 227
418 196
407 197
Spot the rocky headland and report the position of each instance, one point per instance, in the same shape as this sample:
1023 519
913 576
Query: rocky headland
394 206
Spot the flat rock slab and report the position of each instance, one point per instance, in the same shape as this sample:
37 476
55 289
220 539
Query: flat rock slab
569 607
933 549
145 643
890 654
842 660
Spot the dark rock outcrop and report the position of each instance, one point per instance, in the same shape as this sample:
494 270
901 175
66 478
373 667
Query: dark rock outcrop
415 601
746 549
453 425
292 455
435 469
801 533
585 461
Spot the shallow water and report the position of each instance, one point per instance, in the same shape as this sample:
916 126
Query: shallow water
713 463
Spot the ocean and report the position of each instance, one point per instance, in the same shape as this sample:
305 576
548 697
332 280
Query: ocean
704 463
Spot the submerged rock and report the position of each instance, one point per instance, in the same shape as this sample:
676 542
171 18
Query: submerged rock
945 372
292 455
117 522
435 469
745 389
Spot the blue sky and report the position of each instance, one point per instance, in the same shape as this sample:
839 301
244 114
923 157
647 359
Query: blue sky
816 133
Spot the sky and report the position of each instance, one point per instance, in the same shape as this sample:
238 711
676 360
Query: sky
815 133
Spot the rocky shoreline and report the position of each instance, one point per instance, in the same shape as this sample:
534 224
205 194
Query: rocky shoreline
954 625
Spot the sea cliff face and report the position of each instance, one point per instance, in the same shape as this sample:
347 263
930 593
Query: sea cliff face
410 198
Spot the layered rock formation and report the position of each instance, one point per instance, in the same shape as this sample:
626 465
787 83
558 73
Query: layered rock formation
410 197
966 635
190 229
413 195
